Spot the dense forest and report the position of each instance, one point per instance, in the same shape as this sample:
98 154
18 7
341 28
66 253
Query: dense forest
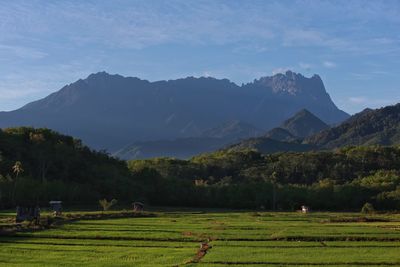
343 179
38 165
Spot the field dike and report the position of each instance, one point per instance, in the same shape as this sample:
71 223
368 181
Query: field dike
200 239
263 263
204 247
316 238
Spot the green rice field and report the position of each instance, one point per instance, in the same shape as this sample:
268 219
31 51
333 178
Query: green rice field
233 239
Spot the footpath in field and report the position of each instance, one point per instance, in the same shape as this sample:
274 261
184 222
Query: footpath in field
212 239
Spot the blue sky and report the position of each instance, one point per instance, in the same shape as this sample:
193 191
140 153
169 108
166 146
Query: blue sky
353 45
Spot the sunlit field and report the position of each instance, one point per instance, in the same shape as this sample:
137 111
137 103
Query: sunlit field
233 238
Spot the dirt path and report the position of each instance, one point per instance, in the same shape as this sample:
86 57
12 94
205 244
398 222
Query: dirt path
204 247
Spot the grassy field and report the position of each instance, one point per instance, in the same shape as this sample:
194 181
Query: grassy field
235 238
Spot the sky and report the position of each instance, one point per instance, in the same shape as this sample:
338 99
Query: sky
353 45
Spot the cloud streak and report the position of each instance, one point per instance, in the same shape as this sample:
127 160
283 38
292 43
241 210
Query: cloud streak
140 24
58 42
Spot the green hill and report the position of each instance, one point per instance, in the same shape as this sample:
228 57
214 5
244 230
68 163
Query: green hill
370 127
55 166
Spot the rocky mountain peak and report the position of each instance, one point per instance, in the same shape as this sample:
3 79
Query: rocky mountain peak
292 83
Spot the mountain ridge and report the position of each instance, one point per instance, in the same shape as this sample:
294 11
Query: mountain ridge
303 124
287 137
109 111
369 127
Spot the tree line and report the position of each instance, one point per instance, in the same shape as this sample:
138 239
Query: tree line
38 165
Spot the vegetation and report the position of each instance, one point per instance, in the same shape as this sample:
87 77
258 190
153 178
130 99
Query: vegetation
38 165
344 179
367 208
370 127
241 238
106 205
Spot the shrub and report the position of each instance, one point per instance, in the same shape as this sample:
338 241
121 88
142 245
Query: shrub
106 205
367 208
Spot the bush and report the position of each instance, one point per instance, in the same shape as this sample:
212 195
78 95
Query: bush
106 205
367 208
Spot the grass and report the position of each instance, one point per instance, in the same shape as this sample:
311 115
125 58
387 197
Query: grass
237 238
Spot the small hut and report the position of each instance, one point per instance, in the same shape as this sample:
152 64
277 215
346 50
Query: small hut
138 206
305 209
56 207
28 213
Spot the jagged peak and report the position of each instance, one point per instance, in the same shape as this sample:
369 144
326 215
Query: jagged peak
103 75
293 83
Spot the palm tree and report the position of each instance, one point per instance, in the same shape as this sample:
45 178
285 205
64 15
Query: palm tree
274 180
17 169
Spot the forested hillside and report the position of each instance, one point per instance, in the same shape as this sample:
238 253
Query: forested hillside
38 165
370 127
332 180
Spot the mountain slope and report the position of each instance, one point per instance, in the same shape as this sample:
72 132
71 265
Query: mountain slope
280 134
303 124
109 111
287 137
184 148
232 130
370 127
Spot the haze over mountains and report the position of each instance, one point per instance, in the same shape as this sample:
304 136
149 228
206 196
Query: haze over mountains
287 137
110 111
183 148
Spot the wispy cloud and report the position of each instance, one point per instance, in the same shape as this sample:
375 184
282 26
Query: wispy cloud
329 64
358 99
305 66
369 102
21 52
59 41
281 70
142 24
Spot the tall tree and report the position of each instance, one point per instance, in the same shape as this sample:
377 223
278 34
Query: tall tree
17 169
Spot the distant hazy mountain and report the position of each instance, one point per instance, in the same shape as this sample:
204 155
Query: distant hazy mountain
301 125
280 134
380 126
287 137
183 148
232 130
304 124
110 111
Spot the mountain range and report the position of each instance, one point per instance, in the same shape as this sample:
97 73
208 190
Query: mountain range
369 127
287 137
111 111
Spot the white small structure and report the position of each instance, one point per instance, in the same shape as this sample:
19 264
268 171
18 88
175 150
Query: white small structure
305 209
